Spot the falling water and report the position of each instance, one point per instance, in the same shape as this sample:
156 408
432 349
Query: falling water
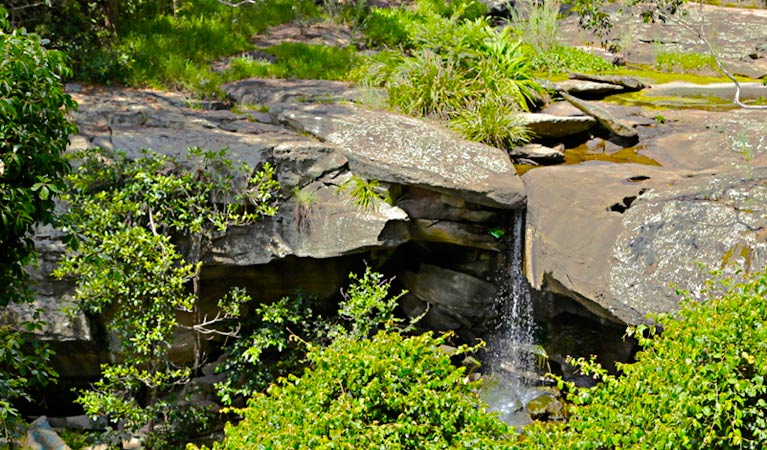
512 353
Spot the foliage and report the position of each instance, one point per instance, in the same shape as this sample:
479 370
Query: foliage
684 62
245 370
384 391
536 23
34 132
126 219
24 364
365 193
493 121
456 64
698 385
564 59
296 60
365 308
394 27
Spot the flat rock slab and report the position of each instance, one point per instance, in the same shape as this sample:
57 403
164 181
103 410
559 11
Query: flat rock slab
628 83
603 116
735 33
588 88
551 126
725 91
389 147
262 91
620 236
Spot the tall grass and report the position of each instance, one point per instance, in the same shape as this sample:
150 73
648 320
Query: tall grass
536 22
462 71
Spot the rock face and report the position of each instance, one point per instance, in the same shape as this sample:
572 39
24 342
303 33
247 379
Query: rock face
446 195
403 150
551 126
621 235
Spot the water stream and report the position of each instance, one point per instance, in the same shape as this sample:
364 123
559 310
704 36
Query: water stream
512 350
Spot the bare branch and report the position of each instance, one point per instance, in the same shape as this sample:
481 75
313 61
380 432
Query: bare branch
204 327
698 30
239 3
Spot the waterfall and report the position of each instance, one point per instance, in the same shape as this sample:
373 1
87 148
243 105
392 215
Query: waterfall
512 350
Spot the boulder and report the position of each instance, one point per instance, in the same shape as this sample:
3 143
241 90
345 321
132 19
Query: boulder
40 436
539 153
604 117
588 89
620 236
261 91
629 84
389 147
468 296
546 126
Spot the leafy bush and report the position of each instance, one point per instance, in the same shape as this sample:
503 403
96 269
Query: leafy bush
384 391
34 133
366 307
698 385
126 217
388 391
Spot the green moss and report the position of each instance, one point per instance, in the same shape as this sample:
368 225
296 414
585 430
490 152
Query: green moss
648 74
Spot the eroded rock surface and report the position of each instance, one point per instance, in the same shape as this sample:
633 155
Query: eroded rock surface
384 146
620 236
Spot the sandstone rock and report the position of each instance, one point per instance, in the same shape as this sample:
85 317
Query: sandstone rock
549 126
604 117
40 436
457 291
403 150
425 204
621 235
539 153
588 89
462 234
628 83
256 91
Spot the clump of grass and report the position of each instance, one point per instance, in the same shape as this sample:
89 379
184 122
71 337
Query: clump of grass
491 120
366 194
458 65
684 62
298 60
536 23
564 59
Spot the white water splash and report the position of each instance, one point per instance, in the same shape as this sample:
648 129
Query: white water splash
512 354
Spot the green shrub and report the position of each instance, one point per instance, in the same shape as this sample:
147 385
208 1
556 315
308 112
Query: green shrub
34 133
387 391
126 218
698 385
388 27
